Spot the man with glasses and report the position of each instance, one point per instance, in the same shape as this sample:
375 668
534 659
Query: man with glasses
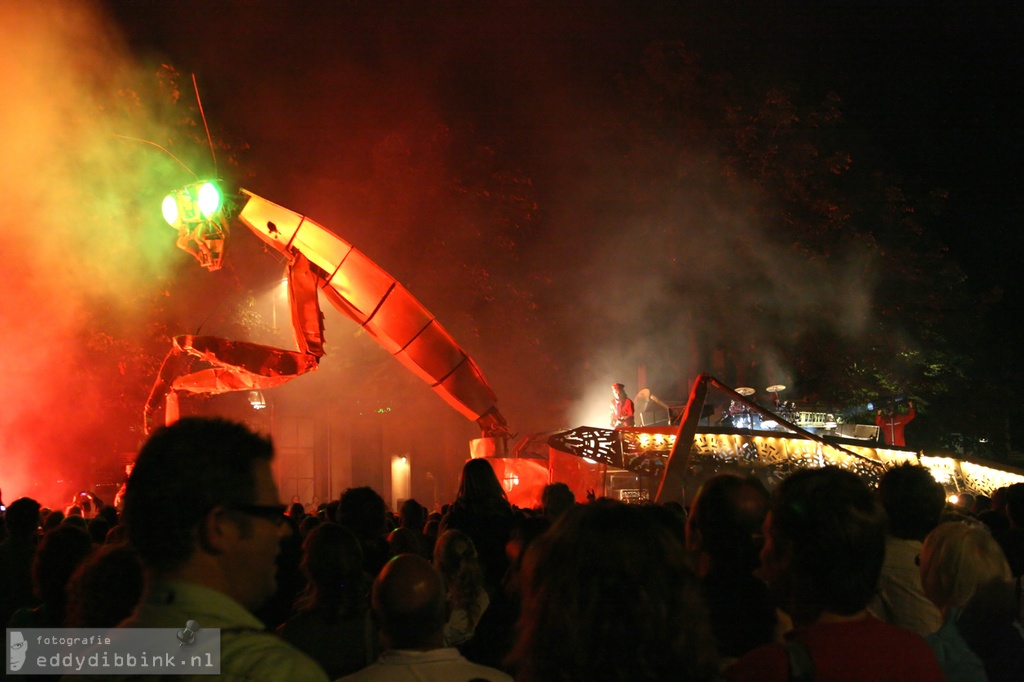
202 508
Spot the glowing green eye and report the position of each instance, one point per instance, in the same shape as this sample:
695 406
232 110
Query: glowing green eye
209 199
170 210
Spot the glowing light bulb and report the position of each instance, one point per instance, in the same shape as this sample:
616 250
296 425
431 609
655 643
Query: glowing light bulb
170 210
209 199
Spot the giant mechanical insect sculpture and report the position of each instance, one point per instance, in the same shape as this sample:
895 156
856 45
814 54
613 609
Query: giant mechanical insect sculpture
318 260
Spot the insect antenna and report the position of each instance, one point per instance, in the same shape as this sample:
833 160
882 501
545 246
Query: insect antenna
136 139
205 125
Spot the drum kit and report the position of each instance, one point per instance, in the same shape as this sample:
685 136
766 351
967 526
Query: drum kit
740 415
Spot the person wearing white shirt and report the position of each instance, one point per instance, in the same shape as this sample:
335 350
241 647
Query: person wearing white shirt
409 603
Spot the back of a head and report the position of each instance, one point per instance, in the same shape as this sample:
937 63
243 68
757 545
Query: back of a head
412 515
52 520
964 571
832 527
999 500
98 529
556 498
607 594
965 503
332 560
961 563
404 540
59 554
308 523
454 551
105 588
479 483
363 511
1014 498
913 501
431 528
409 603
109 513
728 513
22 517
182 472
77 521
332 555
456 558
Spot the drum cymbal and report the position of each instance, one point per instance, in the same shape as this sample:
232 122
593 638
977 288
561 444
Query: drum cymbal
745 391
777 388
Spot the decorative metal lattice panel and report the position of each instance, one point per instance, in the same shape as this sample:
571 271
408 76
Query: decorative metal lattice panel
648 454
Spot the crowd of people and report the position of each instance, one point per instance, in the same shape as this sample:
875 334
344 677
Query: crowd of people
822 578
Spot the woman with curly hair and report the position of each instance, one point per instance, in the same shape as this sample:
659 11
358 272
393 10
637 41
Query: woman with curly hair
608 595
455 556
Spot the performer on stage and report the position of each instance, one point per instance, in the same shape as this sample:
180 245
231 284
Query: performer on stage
891 424
621 408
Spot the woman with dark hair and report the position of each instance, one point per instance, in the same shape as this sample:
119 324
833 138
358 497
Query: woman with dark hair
607 595
479 485
482 511
332 624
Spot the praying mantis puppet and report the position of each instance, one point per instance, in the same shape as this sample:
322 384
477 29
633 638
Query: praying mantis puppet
318 260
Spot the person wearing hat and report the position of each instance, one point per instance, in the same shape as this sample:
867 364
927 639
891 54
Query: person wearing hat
621 407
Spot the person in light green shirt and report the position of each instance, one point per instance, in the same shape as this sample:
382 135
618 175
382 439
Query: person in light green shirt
202 508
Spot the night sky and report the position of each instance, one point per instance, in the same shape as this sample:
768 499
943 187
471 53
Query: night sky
331 97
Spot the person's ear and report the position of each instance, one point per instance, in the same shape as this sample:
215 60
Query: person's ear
216 531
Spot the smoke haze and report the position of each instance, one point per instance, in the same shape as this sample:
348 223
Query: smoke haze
362 116
74 249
